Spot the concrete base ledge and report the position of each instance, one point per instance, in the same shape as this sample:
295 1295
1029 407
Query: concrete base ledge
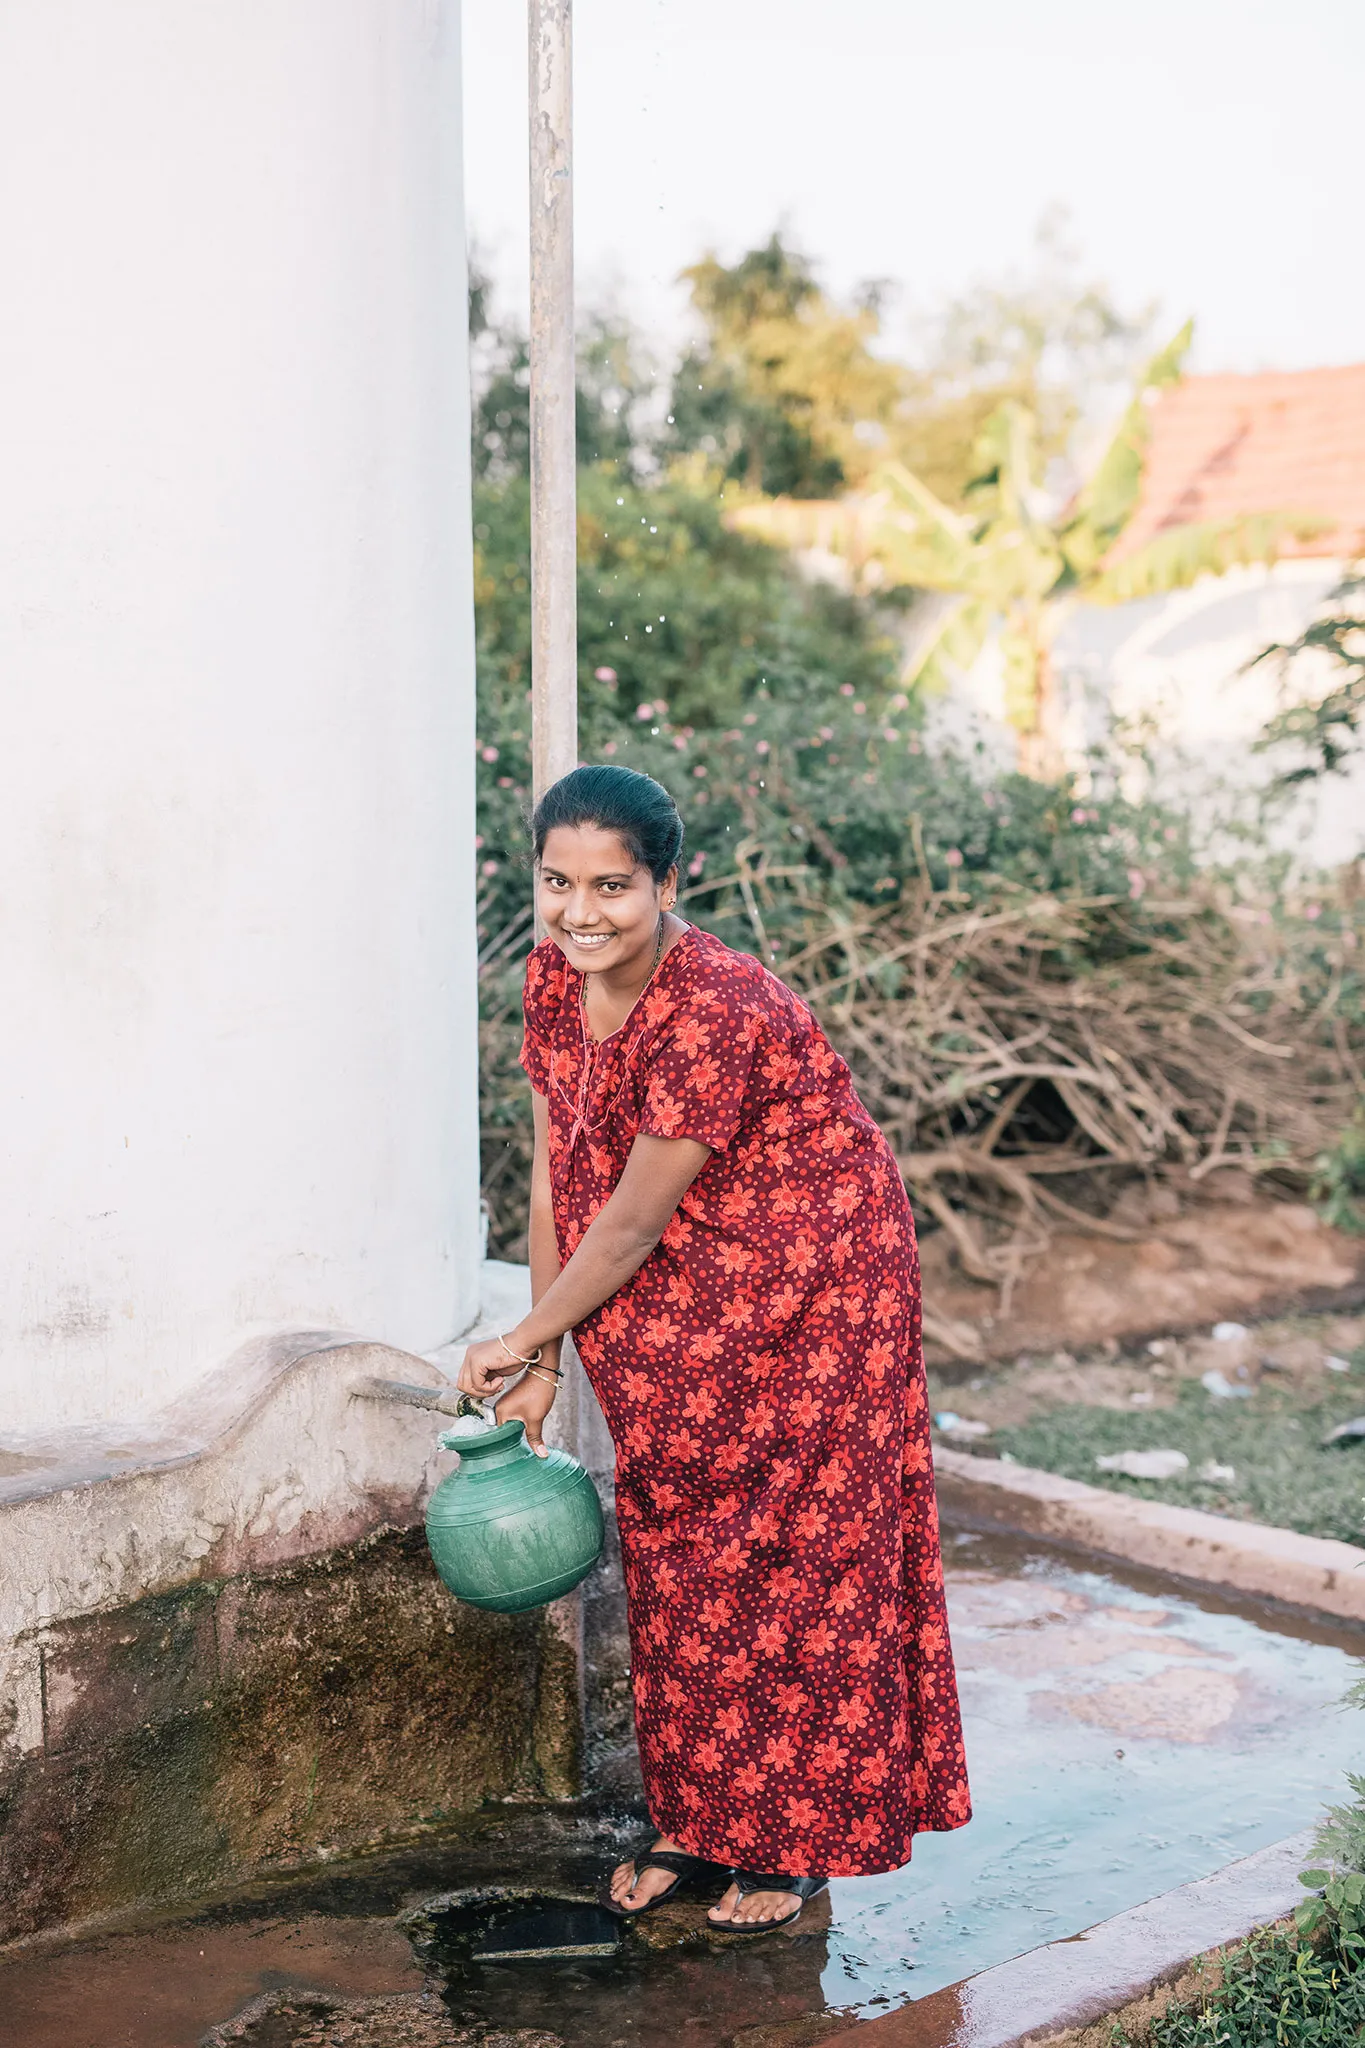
1278 1564
1062 1992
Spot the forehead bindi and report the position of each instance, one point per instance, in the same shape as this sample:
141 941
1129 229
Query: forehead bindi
587 853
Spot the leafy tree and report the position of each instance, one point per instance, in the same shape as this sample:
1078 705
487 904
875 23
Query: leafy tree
790 393
1050 338
785 393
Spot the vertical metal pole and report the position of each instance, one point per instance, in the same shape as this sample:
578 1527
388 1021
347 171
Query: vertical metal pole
554 617
554 598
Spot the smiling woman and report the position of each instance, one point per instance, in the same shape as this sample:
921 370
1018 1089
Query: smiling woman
722 1226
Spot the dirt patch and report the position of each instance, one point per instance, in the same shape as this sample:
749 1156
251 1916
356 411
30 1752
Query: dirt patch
1288 1354
162 1988
1219 1261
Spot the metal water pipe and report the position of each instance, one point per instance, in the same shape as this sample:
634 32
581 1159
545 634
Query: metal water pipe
554 565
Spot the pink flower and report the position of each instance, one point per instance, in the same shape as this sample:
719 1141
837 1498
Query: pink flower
1137 882
489 753
954 857
696 864
604 675
643 711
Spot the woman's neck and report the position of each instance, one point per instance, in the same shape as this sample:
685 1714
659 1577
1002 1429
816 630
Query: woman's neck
610 997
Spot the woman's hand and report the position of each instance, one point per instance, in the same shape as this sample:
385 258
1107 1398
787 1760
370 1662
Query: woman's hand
484 1369
530 1401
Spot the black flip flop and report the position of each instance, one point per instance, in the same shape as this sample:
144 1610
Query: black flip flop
754 1881
684 1869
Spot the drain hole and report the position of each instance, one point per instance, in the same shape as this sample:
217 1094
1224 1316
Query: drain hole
530 1931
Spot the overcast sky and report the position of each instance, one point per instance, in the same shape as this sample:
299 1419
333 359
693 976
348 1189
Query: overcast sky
1208 151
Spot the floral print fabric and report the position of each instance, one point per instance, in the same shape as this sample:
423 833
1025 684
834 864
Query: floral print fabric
762 1379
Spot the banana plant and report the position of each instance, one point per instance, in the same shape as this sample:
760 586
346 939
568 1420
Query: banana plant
1012 563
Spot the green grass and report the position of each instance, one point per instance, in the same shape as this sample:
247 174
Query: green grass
1279 1992
1274 1442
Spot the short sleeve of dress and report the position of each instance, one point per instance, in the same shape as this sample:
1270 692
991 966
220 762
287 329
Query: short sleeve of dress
699 1074
542 998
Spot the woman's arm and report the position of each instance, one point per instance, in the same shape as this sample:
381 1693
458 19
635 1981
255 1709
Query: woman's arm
542 1244
619 1239
615 1245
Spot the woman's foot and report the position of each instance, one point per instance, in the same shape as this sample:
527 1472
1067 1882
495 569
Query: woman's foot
755 1909
632 1893
754 1902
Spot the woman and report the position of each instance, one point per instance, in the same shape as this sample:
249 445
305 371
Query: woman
723 1228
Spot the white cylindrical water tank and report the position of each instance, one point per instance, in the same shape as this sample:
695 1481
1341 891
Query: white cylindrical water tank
237 980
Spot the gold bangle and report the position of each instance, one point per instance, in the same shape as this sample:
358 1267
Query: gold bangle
533 1372
534 1359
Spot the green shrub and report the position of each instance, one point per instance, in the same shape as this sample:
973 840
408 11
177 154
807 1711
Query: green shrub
1277 1989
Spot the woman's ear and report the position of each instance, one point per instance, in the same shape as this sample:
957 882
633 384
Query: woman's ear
668 889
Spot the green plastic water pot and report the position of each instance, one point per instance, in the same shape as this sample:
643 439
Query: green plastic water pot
509 1530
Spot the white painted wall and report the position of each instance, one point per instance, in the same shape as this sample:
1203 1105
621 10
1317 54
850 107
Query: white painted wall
1184 670
237 1024
1181 672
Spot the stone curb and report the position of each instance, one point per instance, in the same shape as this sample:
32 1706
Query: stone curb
1278 1564
1069 1985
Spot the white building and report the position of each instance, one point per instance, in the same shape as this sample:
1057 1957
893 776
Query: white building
237 949
1181 671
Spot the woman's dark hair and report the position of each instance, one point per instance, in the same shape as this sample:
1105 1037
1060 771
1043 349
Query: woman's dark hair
636 808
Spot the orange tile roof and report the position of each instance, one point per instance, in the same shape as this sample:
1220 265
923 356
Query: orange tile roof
1283 441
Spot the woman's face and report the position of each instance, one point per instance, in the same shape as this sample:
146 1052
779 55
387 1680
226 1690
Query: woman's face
595 902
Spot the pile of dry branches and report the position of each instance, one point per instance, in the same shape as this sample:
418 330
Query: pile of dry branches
1028 1056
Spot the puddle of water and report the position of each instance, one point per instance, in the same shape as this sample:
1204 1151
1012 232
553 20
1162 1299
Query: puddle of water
640 1997
535 1931
1123 1739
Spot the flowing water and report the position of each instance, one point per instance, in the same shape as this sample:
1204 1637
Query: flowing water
1124 1737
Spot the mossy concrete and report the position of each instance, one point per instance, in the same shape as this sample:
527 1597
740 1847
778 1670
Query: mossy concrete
194 1739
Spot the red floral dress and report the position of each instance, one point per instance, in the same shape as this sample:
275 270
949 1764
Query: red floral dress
762 1379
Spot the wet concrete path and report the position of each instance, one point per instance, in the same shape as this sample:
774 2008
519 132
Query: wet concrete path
1123 1736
